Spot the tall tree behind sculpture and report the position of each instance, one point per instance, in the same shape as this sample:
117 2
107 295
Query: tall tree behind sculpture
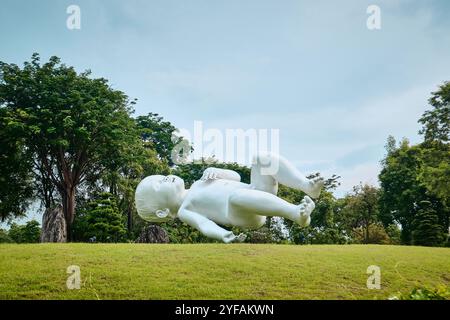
15 177
436 146
73 125
419 173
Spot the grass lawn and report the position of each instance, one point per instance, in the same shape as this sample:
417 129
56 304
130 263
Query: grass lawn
217 271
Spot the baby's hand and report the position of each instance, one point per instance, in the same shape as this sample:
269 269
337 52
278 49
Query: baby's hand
240 238
210 174
230 237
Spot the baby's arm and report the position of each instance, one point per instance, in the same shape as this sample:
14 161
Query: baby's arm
216 173
205 226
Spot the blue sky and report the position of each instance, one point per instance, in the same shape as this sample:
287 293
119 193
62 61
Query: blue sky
312 69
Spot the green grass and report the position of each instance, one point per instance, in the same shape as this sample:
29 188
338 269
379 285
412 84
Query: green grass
217 271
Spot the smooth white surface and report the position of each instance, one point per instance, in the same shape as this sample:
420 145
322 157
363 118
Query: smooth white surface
220 198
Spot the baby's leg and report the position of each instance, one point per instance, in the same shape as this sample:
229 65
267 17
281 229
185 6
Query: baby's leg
255 202
269 169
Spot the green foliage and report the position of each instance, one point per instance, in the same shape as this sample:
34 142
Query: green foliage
394 233
158 135
191 172
122 183
426 228
360 211
442 292
4 237
319 235
73 126
15 172
274 231
262 235
435 170
327 225
436 122
399 188
101 220
377 235
28 233
80 225
180 232
406 182
416 175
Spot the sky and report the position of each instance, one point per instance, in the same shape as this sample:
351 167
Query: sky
311 69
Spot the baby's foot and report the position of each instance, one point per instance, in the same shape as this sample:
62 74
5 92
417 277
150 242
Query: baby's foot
305 208
316 185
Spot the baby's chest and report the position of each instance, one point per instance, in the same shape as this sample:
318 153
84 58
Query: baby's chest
211 198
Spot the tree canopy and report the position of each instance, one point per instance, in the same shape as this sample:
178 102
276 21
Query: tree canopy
73 126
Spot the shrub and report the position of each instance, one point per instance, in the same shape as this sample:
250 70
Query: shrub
319 235
426 228
180 232
377 235
28 233
262 235
420 293
4 237
394 233
100 219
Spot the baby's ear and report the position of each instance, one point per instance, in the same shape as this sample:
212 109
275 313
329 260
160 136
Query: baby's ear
162 213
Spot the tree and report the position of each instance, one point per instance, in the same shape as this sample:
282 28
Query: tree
122 182
326 220
436 148
159 135
409 175
101 220
74 126
16 189
28 233
435 169
414 174
361 210
436 122
426 228
377 235
4 237
400 190
152 155
394 233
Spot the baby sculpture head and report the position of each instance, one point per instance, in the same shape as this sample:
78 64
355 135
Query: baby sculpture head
158 198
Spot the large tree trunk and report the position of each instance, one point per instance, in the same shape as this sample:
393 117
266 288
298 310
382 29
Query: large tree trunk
68 197
54 227
130 220
367 233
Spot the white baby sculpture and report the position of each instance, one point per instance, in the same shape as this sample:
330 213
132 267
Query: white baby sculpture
219 198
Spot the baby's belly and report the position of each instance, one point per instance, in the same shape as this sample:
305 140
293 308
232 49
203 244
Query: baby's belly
211 199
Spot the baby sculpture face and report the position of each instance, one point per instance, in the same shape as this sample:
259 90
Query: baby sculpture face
158 198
